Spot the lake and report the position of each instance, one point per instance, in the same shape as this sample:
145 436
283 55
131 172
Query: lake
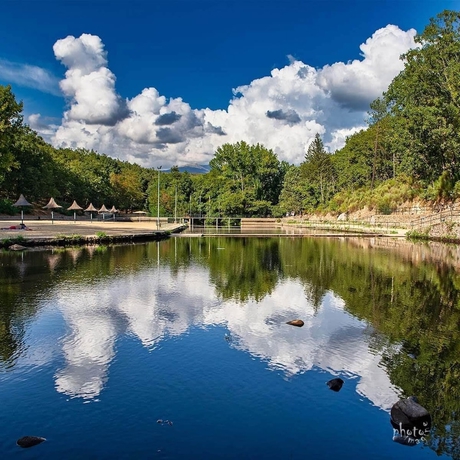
179 349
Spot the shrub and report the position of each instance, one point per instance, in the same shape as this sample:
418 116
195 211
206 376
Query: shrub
6 207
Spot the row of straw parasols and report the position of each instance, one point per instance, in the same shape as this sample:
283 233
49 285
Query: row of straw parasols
73 207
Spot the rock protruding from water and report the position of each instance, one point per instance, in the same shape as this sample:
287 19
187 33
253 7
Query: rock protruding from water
29 441
164 422
335 384
410 419
16 247
296 322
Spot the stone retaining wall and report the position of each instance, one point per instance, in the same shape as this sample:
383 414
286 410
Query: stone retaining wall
443 224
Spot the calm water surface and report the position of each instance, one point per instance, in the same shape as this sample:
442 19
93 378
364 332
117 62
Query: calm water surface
98 344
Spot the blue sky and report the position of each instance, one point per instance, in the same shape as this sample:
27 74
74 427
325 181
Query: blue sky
290 60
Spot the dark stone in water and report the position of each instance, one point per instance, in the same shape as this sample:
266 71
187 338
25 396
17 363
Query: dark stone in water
335 384
29 441
410 419
16 247
296 322
405 440
165 422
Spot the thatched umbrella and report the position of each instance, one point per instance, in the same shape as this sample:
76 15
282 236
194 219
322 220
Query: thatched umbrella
74 207
114 210
91 209
103 210
20 203
139 214
52 205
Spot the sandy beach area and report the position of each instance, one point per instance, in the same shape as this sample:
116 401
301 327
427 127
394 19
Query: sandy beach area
40 228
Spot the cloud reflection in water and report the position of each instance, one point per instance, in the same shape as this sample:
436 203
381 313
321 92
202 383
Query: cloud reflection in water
152 305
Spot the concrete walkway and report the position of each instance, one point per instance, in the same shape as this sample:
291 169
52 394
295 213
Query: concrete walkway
59 228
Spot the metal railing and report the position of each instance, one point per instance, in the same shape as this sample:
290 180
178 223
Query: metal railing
448 215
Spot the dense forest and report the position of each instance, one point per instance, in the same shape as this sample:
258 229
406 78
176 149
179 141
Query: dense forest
411 149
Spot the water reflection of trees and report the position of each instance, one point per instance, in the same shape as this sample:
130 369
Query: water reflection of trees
417 305
17 274
425 319
411 302
245 269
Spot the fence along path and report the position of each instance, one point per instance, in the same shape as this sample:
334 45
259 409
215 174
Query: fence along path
451 214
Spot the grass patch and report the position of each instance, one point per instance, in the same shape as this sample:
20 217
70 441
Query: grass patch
416 235
101 234
9 241
73 237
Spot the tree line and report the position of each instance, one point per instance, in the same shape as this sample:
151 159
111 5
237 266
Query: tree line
411 148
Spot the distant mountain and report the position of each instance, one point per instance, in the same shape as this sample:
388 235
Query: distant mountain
199 169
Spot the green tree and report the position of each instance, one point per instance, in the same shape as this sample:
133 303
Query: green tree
426 95
128 187
85 176
249 179
318 170
353 162
10 126
294 195
175 191
378 118
33 171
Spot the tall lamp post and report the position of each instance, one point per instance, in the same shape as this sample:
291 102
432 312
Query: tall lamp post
158 199
175 207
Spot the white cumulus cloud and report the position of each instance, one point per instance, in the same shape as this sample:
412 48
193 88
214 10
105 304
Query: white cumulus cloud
88 83
283 111
356 83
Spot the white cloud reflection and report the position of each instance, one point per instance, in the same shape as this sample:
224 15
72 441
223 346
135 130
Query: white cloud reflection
152 307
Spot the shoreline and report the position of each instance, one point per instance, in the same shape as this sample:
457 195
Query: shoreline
69 232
